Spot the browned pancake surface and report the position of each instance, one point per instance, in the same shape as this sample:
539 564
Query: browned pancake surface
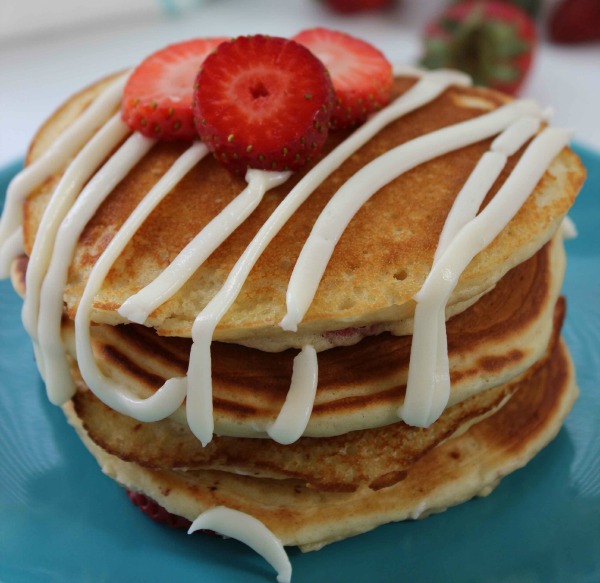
380 262
459 469
360 386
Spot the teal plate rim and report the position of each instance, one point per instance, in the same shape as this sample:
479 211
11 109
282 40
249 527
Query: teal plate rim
62 520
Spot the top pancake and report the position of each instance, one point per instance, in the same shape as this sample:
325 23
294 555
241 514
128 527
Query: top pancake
380 262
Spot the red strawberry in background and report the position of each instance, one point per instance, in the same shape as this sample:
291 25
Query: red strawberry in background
157 100
575 21
263 102
492 41
356 6
362 76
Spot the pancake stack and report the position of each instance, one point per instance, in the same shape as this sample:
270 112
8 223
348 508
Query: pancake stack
357 464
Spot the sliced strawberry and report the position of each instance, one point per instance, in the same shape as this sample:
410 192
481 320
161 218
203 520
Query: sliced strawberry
157 100
362 76
490 40
263 102
155 511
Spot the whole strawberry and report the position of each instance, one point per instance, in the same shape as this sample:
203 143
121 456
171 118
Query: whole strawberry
575 21
263 102
492 41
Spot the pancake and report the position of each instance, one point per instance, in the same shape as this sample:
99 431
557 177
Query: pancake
246 416
468 465
360 386
377 458
374 272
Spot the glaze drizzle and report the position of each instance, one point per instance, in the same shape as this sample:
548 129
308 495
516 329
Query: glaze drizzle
465 233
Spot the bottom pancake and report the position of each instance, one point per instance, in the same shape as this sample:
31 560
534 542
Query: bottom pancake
465 466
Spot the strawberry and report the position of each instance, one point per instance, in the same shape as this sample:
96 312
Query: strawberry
492 41
157 100
575 21
362 76
263 102
155 511
354 6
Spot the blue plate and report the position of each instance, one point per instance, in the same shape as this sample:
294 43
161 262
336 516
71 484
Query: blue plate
62 520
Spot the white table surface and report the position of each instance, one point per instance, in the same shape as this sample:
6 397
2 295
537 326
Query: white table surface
38 71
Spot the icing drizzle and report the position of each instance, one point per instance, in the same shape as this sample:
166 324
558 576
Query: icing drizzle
251 532
465 233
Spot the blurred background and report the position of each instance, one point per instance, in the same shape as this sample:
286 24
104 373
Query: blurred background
49 50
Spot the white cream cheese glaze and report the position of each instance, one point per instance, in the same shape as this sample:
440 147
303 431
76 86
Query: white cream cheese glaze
139 306
79 171
63 148
348 200
170 397
12 248
569 228
295 413
464 234
250 531
428 386
59 384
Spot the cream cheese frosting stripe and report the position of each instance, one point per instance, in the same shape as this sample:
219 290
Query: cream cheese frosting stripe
484 175
295 413
424 402
12 248
79 171
170 397
199 406
250 531
59 383
464 209
139 306
348 200
63 148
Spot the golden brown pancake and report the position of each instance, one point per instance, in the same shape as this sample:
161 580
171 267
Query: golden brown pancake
378 265
468 465
360 386
377 458
512 379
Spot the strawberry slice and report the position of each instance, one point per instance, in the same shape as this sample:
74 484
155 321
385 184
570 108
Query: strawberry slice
362 76
263 102
157 100
155 511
